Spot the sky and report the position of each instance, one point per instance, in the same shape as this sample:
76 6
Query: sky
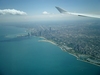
43 10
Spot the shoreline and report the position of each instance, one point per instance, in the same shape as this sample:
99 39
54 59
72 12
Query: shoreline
88 62
77 56
45 40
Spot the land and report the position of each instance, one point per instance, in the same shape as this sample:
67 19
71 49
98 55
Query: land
81 39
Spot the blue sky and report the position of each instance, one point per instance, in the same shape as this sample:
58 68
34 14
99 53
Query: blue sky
37 10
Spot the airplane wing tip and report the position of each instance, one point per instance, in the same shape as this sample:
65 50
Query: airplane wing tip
56 6
60 9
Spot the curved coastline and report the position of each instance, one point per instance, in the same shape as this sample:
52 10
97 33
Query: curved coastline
45 40
79 57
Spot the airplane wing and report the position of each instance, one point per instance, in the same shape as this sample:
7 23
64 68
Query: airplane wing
77 14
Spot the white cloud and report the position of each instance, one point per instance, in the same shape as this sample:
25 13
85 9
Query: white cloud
11 12
46 13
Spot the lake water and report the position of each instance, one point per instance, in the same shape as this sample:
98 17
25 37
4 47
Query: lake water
31 57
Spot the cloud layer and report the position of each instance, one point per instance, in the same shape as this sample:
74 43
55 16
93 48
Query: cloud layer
11 12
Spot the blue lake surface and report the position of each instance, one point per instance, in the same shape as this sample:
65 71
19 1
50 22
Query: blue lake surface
31 57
